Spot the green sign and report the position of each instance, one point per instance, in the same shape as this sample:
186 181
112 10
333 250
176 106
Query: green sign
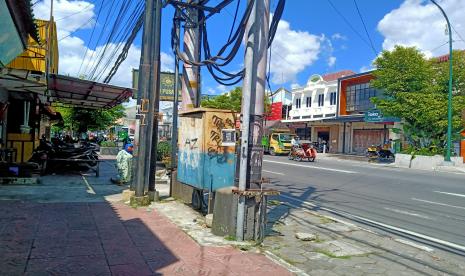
375 116
166 85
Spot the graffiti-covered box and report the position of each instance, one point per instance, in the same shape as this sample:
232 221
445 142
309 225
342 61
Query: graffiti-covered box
207 141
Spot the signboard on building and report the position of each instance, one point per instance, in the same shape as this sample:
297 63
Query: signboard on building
376 116
166 85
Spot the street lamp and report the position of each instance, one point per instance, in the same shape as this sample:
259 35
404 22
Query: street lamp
449 104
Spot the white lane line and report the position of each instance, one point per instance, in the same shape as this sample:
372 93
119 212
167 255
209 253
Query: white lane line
273 172
438 203
407 213
398 229
416 245
461 195
310 167
90 190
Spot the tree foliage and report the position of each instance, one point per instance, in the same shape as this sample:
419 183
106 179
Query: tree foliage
416 90
230 101
82 119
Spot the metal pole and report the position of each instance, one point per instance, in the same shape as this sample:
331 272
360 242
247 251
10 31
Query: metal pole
155 95
174 133
142 151
449 102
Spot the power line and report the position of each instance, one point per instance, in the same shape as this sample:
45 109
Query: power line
348 23
91 36
77 29
73 14
365 27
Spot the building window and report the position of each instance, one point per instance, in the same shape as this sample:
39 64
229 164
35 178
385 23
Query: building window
358 97
309 101
332 99
297 103
321 100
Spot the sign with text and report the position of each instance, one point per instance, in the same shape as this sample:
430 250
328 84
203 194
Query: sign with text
375 116
166 85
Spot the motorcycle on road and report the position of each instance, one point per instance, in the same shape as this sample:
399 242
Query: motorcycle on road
305 151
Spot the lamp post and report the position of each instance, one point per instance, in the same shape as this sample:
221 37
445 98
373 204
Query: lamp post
449 104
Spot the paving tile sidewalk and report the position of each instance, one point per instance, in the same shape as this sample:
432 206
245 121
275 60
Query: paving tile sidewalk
63 227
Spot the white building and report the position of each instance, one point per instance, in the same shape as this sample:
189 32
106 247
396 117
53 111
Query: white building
313 104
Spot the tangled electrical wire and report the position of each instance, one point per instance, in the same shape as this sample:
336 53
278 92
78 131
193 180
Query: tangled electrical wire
214 63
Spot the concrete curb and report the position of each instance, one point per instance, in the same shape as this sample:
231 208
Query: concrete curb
284 264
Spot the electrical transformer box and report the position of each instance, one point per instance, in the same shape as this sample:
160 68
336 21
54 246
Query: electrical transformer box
206 154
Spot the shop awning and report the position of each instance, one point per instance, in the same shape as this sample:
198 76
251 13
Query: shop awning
84 93
19 80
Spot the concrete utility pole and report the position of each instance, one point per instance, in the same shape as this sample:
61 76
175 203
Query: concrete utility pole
155 98
190 74
148 95
174 133
253 90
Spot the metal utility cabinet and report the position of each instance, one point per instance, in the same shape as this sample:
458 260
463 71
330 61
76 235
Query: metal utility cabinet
207 141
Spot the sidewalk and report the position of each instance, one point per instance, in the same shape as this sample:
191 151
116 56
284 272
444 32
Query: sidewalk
321 245
64 226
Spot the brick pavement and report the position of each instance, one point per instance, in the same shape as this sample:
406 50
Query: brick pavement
101 238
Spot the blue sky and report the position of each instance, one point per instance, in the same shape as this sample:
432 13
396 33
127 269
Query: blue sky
312 37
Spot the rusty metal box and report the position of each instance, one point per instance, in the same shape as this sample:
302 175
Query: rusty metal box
206 154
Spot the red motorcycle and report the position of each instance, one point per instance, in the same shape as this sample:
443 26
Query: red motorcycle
302 152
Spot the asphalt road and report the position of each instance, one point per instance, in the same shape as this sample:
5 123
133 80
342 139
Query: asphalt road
427 203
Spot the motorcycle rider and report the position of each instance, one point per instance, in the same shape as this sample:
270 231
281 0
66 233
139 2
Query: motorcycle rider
295 142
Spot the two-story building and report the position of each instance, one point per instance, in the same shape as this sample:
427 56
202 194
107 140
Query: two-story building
362 124
313 107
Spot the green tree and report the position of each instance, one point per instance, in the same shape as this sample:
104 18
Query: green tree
414 90
230 101
82 119
442 73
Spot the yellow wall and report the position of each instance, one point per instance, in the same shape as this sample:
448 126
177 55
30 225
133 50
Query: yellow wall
23 144
34 57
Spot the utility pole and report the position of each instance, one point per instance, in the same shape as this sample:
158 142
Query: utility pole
251 152
155 100
174 133
147 96
190 73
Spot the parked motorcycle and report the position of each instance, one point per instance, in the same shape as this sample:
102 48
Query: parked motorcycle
379 153
302 152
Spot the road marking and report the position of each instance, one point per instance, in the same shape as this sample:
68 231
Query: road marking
398 229
311 167
90 190
416 245
408 213
273 172
438 203
461 195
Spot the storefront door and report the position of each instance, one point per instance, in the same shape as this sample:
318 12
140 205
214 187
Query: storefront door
363 138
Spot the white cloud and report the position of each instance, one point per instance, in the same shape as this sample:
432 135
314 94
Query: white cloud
295 86
292 52
421 24
366 68
331 61
81 15
338 36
